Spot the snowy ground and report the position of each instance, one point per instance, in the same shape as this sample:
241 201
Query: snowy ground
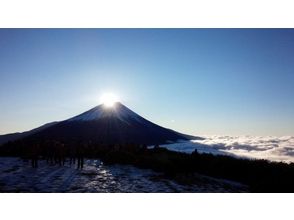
17 175
270 148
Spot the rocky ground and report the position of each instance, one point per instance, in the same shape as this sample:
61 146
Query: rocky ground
17 175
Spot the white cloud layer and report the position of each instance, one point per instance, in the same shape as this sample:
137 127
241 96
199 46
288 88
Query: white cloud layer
270 148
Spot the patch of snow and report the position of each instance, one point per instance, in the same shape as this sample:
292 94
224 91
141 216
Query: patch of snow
118 111
17 175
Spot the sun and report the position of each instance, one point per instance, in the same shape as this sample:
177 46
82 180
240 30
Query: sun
108 99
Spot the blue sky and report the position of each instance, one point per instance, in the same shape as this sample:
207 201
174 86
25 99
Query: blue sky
198 81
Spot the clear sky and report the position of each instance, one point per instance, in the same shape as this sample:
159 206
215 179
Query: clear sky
197 81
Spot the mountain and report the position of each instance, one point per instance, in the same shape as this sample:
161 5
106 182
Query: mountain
16 136
110 125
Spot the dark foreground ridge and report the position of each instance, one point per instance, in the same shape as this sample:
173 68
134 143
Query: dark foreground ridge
258 175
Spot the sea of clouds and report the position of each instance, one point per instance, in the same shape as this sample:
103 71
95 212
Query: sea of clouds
270 148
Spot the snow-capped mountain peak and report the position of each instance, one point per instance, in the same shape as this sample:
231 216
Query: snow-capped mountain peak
101 111
110 125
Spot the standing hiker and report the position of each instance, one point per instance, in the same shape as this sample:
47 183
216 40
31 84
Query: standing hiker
80 155
35 148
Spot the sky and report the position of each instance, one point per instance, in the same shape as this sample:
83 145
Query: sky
196 81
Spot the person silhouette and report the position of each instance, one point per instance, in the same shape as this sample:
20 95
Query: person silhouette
72 153
35 154
80 154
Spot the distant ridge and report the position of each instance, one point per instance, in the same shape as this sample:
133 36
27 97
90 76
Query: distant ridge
18 135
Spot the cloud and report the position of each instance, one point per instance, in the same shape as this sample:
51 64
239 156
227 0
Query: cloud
271 148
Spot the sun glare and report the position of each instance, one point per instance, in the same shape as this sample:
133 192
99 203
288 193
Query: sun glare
108 99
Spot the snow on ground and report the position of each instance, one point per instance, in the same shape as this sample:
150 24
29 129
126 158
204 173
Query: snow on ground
270 148
17 175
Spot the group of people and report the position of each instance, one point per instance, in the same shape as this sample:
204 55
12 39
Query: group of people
56 153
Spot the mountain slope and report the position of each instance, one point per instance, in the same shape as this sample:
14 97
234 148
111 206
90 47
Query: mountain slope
109 125
16 136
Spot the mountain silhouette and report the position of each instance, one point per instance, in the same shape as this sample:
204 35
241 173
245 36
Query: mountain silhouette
109 125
